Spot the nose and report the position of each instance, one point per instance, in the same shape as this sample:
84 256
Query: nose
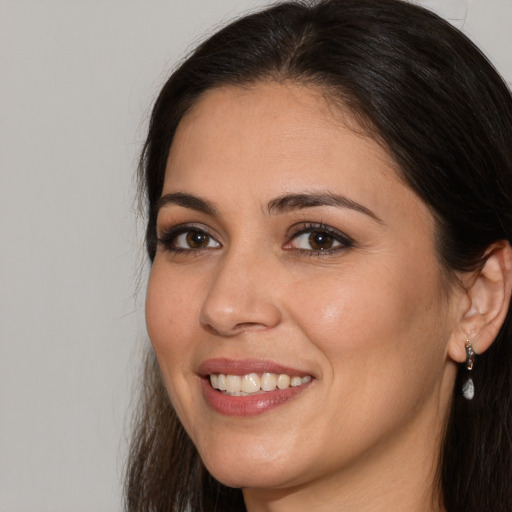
240 297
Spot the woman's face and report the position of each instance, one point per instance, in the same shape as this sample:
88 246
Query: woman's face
292 256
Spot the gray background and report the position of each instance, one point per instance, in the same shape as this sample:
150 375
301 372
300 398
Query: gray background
76 83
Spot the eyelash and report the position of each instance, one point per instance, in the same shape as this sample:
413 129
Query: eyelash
344 241
169 238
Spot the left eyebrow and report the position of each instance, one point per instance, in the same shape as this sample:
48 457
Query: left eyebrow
291 202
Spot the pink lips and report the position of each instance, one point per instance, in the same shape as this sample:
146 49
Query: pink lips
252 404
243 367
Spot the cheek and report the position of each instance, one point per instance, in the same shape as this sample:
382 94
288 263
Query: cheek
376 325
381 343
169 311
170 315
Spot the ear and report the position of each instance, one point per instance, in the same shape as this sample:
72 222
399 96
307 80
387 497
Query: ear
486 302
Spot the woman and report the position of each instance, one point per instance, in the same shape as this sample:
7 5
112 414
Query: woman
329 219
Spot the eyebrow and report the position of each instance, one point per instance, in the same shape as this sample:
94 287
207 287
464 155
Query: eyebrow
282 204
187 201
291 202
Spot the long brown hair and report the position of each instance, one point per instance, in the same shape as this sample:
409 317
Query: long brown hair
426 92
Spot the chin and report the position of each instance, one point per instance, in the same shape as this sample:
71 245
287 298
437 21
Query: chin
265 477
254 468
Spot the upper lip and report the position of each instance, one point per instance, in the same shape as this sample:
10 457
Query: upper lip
246 366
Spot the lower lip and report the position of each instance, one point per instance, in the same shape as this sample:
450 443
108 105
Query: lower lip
249 405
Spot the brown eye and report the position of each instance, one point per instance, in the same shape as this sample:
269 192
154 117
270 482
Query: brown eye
197 239
183 239
320 240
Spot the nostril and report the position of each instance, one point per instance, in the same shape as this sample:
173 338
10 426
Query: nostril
209 328
250 326
237 329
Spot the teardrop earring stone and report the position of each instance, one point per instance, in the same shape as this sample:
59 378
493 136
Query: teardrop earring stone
468 389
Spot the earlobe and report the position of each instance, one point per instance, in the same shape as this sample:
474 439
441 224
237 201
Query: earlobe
487 302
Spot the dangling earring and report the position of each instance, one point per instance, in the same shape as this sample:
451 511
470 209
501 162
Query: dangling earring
468 389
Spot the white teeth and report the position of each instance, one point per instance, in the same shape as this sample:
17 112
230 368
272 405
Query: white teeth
233 383
250 383
221 382
283 381
295 381
268 381
242 385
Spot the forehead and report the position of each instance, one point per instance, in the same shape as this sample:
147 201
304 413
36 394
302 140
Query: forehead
286 128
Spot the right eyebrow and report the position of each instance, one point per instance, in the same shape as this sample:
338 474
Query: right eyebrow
187 201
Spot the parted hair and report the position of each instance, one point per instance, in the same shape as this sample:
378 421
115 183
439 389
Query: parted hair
427 94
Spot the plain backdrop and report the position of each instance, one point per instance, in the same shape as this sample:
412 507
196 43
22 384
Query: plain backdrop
77 79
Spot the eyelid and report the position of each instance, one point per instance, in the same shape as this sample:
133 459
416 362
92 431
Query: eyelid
302 228
168 235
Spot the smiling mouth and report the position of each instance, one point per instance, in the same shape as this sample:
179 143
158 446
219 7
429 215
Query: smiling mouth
254 383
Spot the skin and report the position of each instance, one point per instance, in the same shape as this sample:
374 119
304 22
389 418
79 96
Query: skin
372 321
